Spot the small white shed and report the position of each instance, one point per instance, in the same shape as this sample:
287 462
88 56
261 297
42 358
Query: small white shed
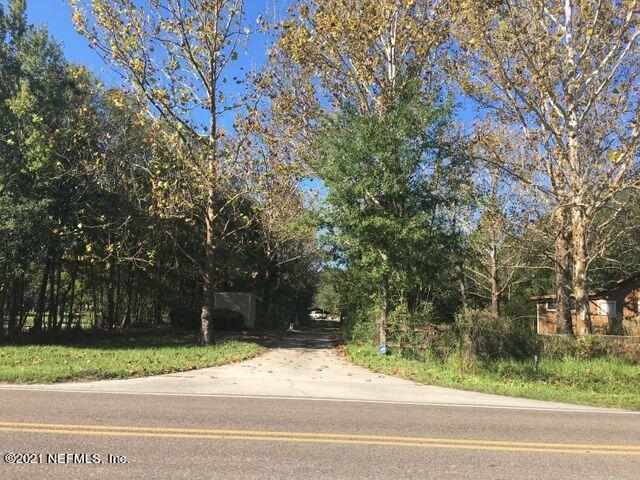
243 303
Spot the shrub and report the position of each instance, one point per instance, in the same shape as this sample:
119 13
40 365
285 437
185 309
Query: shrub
590 346
416 335
487 337
359 326
400 317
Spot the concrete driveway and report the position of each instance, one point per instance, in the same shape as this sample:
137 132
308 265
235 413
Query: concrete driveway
305 365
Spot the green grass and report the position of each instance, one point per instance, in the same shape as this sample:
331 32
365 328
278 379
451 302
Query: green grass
120 355
601 382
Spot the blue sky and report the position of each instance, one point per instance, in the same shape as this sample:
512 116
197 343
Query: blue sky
56 16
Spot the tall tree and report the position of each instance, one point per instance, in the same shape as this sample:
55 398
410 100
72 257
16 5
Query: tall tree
39 94
491 264
175 55
365 52
566 74
367 55
513 217
389 181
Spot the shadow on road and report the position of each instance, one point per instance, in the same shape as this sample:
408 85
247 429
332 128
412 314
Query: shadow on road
312 334
316 334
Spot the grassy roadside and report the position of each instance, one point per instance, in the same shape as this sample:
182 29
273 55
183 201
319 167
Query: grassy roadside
120 355
601 382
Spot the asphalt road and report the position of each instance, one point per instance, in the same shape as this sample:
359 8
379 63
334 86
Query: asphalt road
187 436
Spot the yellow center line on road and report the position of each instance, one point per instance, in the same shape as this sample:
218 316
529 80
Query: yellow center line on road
311 437
320 435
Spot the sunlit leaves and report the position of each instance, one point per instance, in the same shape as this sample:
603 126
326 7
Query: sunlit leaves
364 51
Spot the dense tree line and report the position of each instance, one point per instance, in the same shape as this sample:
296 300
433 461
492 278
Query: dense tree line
544 195
98 226
135 204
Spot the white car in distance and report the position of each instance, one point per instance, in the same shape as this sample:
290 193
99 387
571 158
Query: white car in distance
317 314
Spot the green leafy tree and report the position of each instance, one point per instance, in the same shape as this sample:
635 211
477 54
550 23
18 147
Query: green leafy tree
389 179
38 90
327 295
175 56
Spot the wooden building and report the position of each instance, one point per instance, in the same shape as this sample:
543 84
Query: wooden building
614 309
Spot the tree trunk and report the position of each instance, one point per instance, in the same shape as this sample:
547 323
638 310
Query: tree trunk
495 290
208 274
2 302
118 298
574 174
462 285
564 324
126 322
94 309
13 309
208 302
580 258
69 293
57 321
42 294
266 286
208 298
22 311
111 291
135 318
209 270
157 309
80 311
52 310
381 324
